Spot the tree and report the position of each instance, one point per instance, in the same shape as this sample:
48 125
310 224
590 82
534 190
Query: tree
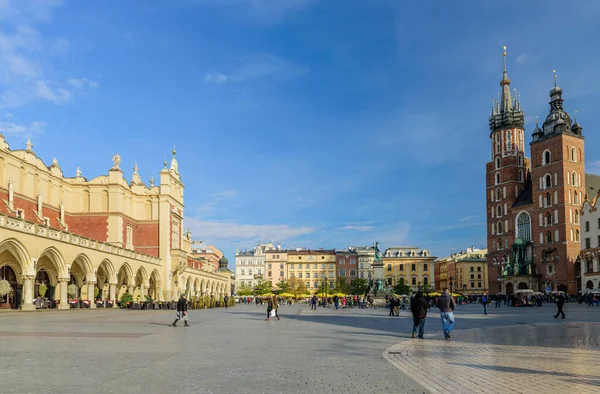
341 285
244 290
426 289
359 286
296 286
263 288
282 287
402 288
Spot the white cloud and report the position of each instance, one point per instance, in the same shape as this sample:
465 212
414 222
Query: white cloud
468 218
232 231
22 129
356 228
257 66
26 56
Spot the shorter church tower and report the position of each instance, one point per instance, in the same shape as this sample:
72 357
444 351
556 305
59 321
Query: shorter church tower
558 187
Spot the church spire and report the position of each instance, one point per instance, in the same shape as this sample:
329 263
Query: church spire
506 101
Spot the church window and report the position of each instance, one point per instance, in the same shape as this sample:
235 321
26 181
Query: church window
541 238
555 216
574 178
548 219
548 199
520 175
520 161
576 217
576 235
497 162
497 178
575 198
572 238
498 194
524 226
499 227
508 140
546 158
556 236
573 154
547 181
499 210
549 237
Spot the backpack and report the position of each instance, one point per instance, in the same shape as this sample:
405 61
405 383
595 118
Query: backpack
484 300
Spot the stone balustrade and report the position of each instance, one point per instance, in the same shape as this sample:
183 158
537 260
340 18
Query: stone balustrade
64 236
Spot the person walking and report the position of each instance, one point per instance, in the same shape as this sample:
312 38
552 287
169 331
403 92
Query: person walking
271 306
484 302
181 311
446 304
226 301
418 307
560 303
497 301
336 302
313 303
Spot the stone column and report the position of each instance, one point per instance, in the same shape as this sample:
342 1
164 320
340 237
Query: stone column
112 293
90 291
27 304
63 284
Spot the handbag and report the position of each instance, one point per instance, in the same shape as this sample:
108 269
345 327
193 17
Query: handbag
273 313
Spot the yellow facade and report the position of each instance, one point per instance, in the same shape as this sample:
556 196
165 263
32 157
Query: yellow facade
275 266
471 272
408 264
314 267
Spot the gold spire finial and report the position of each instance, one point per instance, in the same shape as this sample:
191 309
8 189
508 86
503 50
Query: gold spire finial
174 151
555 78
504 57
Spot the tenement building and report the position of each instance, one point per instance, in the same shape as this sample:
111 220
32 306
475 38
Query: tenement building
534 204
409 265
315 267
250 266
590 237
106 236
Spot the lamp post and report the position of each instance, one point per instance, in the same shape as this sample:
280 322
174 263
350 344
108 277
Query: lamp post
451 283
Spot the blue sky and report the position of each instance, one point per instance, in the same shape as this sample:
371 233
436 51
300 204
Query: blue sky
317 123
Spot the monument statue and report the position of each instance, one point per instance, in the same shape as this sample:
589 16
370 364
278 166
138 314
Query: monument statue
116 161
379 286
377 251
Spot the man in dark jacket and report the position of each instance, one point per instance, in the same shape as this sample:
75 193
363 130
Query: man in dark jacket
181 311
560 303
226 301
446 304
418 307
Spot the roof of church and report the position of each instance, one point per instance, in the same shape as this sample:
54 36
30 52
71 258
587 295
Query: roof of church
525 197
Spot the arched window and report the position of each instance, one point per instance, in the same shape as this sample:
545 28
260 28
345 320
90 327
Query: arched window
524 226
548 237
520 161
576 217
499 227
572 238
576 235
546 159
548 199
575 198
548 219
497 178
520 175
574 178
573 154
498 194
497 162
547 181
508 140
499 211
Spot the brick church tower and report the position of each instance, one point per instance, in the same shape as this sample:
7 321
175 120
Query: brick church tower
506 175
558 173
533 206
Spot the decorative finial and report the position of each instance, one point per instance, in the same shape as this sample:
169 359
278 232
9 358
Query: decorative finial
575 116
78 172
116 161
504 56
165 163
29 145
135 167
151 181
54 162
537 121
555 78
174 151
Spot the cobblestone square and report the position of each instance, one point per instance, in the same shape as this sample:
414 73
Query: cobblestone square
236 351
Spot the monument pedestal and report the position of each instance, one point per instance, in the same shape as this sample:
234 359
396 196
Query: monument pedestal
378 275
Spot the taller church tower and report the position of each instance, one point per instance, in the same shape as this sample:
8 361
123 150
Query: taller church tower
506 175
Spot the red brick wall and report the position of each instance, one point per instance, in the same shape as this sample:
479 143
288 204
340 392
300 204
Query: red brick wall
145 238
90 226
29 207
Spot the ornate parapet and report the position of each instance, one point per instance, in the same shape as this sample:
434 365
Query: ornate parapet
39 230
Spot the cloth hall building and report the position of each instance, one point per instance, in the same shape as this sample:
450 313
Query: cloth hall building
534 204
105 235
